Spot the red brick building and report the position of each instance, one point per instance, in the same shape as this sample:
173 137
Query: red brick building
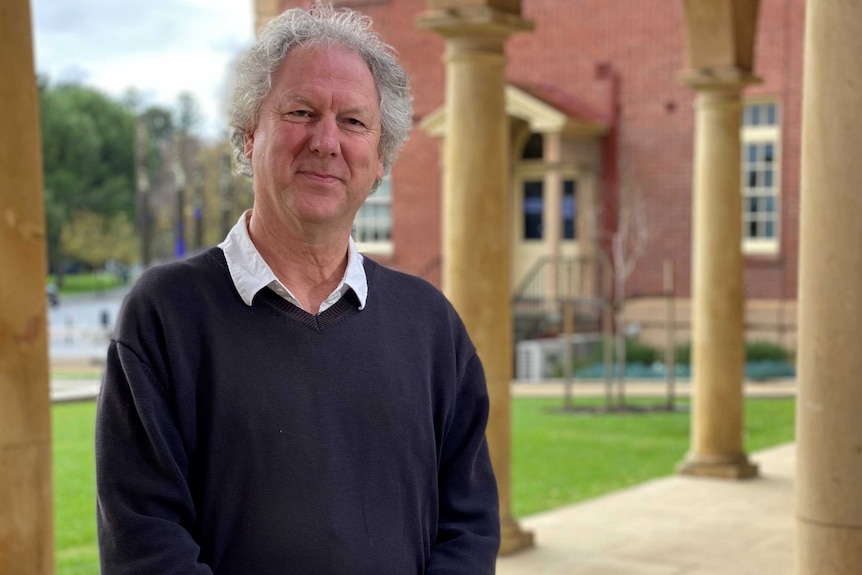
601 75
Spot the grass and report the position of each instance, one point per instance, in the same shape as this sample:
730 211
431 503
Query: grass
73 426
560 458
557 459
85 283
85 372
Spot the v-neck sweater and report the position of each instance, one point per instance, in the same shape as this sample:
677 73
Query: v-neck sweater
235 439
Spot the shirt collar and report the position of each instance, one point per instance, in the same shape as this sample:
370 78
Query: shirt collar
250 273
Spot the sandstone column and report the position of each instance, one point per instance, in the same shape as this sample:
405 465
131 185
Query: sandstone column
476 207
264 11
829 428
26 521
553 217
586 206
718 352
720 38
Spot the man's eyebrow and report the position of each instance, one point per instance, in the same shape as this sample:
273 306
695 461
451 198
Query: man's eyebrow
289 98
359 109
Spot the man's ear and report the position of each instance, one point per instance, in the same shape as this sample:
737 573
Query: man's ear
248 144
380 169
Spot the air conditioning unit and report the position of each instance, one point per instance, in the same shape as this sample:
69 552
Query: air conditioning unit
538 359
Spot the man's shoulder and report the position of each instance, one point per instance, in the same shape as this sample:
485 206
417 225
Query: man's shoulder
166 276
393 282
399 294
179 284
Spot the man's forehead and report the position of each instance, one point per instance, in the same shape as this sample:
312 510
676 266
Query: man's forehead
344 101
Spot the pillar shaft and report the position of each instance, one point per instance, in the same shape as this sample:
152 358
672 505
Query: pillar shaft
586 213
477 255
554 217
718 329
26 523
829 432
476 245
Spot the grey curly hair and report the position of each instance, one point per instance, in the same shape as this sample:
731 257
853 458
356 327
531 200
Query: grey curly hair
322 24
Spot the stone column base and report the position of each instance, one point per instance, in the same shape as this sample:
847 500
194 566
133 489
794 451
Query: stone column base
513 539
717 467
825 548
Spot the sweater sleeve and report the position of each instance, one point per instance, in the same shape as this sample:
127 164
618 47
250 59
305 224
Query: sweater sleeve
468 532
145 508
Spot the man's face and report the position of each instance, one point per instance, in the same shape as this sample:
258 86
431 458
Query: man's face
315 148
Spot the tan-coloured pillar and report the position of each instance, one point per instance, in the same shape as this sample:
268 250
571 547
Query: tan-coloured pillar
475 215
264 11
718 352
586 232
829 427
553 217
26 520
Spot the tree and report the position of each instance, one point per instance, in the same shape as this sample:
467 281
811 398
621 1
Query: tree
627 246
88 155
96 239
156 134
224 195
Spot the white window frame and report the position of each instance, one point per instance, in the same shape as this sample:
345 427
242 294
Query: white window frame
761 134
536 171
365 225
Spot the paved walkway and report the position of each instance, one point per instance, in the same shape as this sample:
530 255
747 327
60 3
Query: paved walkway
670 526
645 388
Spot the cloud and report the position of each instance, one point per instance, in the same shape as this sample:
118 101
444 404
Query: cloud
159 47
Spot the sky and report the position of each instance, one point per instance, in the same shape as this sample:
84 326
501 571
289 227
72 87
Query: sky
159 47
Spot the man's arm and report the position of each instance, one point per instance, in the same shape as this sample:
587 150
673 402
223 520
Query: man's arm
468 532
145 508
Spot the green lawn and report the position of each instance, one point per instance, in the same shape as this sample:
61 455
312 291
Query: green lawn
560 458
557 459
85 283
75 488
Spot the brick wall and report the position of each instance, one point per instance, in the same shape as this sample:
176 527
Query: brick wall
643 43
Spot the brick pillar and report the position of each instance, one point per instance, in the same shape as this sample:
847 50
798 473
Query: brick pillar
829 428
26 515
476 213
718 352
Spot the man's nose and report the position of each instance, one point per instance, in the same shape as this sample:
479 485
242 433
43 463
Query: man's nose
324 137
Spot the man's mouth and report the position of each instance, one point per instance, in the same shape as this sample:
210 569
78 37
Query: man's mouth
321 177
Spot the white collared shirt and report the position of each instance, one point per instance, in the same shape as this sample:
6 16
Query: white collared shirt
250 273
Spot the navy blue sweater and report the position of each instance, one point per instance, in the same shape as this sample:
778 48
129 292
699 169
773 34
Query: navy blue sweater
237 440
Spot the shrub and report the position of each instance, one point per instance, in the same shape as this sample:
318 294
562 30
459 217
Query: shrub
636 352
754 351
765 351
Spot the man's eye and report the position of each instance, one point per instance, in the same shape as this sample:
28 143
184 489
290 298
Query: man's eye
354 122
300 114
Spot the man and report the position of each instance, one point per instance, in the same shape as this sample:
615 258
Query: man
281 404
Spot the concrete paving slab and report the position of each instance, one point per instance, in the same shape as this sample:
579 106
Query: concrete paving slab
644 388
65 390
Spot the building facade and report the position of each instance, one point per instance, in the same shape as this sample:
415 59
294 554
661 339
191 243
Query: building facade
601 131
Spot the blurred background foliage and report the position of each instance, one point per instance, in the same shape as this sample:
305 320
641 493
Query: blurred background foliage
128 185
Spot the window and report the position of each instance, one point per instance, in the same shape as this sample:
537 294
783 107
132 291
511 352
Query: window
372 227
760 178
533 207
534 148
570 210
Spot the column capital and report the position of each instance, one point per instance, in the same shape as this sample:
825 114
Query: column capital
717 79
474 21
